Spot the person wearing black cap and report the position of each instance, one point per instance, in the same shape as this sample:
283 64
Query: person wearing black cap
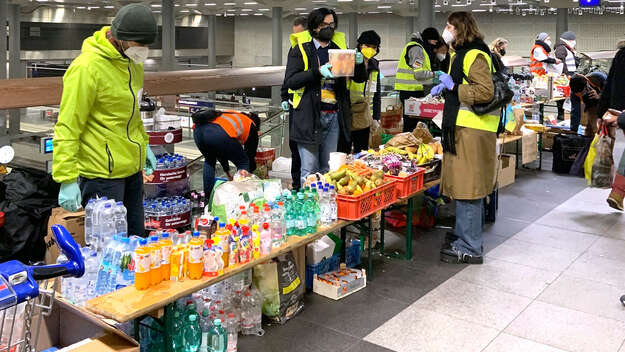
100 145
365 97
587 89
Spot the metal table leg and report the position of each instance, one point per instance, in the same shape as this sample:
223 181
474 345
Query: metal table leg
382 224
343 240
369 251
516 166
409 229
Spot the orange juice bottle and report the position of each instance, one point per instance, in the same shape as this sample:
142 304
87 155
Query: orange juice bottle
166 248
156 275
196 257
177 266
142 265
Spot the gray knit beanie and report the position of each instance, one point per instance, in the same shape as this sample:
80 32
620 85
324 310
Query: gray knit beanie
568 35
135 22
542 36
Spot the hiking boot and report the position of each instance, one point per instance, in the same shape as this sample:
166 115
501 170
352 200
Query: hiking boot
615 200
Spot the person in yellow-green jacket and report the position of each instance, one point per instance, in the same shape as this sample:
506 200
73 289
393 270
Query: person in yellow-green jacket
469 140
100 145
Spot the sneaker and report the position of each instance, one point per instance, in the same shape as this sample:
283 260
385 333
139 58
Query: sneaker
450 237
454 256
615 200
623 300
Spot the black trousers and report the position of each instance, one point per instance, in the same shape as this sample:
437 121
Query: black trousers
410 123
296 165
128 190
360 140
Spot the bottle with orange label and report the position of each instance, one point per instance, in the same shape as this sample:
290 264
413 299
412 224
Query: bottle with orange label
166 249
156 275
142 265
196 257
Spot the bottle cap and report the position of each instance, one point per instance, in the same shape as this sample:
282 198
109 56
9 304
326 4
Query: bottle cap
280 203
245 229
265 225
152 233
242 207
243 212
216 219
222 225
107 206
125 240
256 210
119 203
230 315
154 238
192 317
143 242
205 312
165 235
217 322
196 233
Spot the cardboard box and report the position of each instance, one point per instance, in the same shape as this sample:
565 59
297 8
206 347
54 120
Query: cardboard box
417 108
506 170
548 140
74 329
528 147
73 222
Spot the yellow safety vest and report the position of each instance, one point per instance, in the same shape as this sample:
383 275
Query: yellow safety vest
404 78
466 116
298 39
364 91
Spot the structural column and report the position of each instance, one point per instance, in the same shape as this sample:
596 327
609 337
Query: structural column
212 41
276 49
4 9
168 58
15 66
426 15
353 29
562 23
410 27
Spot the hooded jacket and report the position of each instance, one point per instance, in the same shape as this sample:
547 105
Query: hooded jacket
613 94
562 51
99 133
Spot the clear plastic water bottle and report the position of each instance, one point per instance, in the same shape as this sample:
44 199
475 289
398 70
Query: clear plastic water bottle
324 206
107 223
89 221
301 220
121 224
126 273
103 273
251 313
177 339
218 337
67 283
232 326
91 273
192 334
116 261
290 216
311 214
333 206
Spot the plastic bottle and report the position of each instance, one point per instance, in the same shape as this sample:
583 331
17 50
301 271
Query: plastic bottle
205 325
192 334
256 241
311 216
91 273
177 338
232 328
196 257
89 222
244 220
127 268
324 206
114 267
143 262
251 313
105 263
265 240
333 206
121 224
166 249
107 224
301 222
218 337
156 274
176 270
245 246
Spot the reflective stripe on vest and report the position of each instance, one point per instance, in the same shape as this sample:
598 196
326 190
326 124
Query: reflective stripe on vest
570 61
235 124
536 66
299 39
404 78
466 116
362 91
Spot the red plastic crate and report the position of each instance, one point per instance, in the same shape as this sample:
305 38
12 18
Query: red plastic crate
566 90
408 185
358 207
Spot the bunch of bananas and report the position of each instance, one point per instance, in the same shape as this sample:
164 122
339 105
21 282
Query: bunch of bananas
424 154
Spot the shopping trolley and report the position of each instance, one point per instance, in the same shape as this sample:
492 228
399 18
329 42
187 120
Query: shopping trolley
27 294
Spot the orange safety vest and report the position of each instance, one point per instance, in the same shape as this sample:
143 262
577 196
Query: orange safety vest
536 66
236 125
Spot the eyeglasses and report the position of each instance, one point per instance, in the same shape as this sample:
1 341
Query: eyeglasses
326 25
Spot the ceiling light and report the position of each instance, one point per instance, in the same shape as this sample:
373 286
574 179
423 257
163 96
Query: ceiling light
372 0
244 14
373 12
210 4
156 5
184 10
246 10
250 3
343 0
231 10
176 5
322 1
229 3
458 5
42 0
109 7
191 5
81 7
385 6
300 9
263 9
258 14
339 12
478 10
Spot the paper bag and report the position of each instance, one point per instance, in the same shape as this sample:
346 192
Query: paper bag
402 140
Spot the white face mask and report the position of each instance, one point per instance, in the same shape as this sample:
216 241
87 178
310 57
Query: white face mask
138 54
448 37
440 56
548 42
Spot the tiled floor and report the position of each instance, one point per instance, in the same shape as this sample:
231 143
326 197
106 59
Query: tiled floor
553 273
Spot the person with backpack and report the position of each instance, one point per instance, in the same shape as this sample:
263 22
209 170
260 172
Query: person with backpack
469 140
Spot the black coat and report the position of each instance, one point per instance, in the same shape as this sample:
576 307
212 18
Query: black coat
377 97
306 126
613 95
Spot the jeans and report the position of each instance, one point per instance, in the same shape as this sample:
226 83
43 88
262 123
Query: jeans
315 157
215 143
469 225
576 113
128 190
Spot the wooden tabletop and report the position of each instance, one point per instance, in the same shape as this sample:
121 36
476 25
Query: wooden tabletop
129 303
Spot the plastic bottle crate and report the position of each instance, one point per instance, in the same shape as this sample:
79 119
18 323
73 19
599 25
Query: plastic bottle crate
358 207
408 185
352 254
324 266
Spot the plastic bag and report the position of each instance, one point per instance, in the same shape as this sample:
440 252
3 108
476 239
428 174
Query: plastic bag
603 166
281 287
590 159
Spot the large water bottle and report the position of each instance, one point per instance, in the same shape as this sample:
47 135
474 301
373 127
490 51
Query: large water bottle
301 218
333 205
91 273
67 283
121 224
192 334
107 223
218 338
251 313
324 206
98 242
89 222
103 273
311 214
122 269
232 327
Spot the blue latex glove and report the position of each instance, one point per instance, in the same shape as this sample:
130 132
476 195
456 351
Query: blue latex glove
447 81
285 106
326 70
381 75
436 91
69 196
150 162
359 58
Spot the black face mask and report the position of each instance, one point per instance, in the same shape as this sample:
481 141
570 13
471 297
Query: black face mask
502 52
325 34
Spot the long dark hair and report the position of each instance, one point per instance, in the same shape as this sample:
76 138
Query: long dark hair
467 30
316 17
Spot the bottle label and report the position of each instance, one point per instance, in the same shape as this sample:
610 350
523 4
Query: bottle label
195 254
143 263
156 259
166 254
